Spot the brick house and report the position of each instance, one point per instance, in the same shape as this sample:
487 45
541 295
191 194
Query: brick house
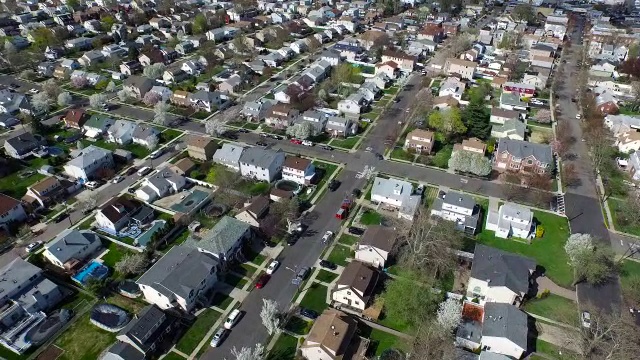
75 118
522 156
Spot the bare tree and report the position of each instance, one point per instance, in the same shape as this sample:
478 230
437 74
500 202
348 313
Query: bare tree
96 100
111 86
431 343
132 264
52 88
570 174
609 336
160 113
214 127
64 99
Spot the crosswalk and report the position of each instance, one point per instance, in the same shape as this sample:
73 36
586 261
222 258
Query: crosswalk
560 203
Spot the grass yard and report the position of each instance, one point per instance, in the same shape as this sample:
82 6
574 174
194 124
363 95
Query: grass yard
380 340
348 239
401 154
430 194
553 351
347 143
540 135
169 135
83 340
555 308
16 185
131 305
555 236
86 225
326 276
630 269
617 208
298 326
255 257
284 348
221 301
370 217
173 356
339 255
137 150
315 298
235 281
115 254
190 340
251 126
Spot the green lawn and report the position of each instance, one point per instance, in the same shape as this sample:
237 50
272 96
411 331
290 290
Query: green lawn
347 143
380 340
348 239
553 351
339 255
617 208
548 251
401 154
255 257
298 326
83 340
370 217
251 126
430 194
169 135
137 150
555 308
190 340
315 298
173 356
221 301
630 269
16 186
284 348
235 281
371 115
115 254
131 305
326 276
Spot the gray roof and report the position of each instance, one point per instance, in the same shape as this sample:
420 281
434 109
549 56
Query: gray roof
505 321
144 132
23 143
147 327
140 82
223 237
121 127
392 188
161 180
487 355
459 199
337 123
88 156
16 275
122 351
98 121
204 96
69 243
260 157
502 268
179 271
228 154
511 126
523 149
511 99
330 54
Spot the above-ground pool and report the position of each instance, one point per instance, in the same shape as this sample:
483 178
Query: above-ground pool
144 239
109 317
93 270
190 201
288 185
55 151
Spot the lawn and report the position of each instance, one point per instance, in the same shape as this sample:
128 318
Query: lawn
83 340
430 194
326 276
115 254
298 326
173 356
617 206
348 239
347 143
16 186
137 150
169 135
555 308
86 225
235 281
370 217
556 234
284 349
630 269
380 340
190 340
131 305
553 351
221 301
315 298
401 154
339 255
255 257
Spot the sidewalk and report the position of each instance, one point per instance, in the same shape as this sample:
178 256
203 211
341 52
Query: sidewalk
544 283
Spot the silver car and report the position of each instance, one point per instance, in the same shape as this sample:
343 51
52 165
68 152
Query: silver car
219 337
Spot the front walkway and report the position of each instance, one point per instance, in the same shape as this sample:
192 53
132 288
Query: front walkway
544 283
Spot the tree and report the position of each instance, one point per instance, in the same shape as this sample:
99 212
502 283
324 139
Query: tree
245 353
107 22
79 82
430 342
524 12
543 116
89 203
577 245
200 24
610 336
151 98
124 95
132 264
111 86
469 162
631 67
447 121
449 314
270 315
152 143
51 88
28 74
40 102
511 40
301 130
160 112
96 100
64 99
154 71
73 4
570 175
591 264
476 118
215 127
313 44
409 299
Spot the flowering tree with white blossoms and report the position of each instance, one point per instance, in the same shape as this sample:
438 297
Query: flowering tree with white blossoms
577 246
245 353
270 315
449 314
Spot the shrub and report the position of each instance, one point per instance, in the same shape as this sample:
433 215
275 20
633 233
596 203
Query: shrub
539 231
545 293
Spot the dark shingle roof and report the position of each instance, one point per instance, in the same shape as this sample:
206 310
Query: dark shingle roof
380 237
505 321
501 268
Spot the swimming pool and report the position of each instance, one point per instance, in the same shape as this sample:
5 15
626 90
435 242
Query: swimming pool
146 237
92 270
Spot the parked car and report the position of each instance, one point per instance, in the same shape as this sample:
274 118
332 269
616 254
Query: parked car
219 337
586 319
33 246
327 147
144 171
130 171
327 236
291 238
328 265
117 179
60 217
300 276
131 190
276 137
232 319
356 192
34 91
262 143
244 131
262 281
273 267
156 154
334 185
296 141
356 230
230 135
307 143
264 134
91 185
308 313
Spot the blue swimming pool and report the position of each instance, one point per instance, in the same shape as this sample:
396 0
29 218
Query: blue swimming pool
146 236
93 270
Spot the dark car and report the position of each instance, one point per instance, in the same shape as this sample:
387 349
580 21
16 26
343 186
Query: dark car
356 192
378 156
292 238
261 143
327 147
262 281
356 230
230 135
60 217
131 190
244 131
328 265
334 185
308 313
132 170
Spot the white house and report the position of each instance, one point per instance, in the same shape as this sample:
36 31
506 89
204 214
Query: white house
71 247
376 245
397 194
145 135
11 210
332 336
353 104
88 162
121 211
261 164
298 170
511 220
454 87
504 330
355 286
229 156
160 184
121 132
459 208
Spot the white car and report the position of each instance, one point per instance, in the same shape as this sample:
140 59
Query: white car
586 319
33 246
232 319
117 179
91 185
307 143
327 236
156 154
272 267
34 91
578 116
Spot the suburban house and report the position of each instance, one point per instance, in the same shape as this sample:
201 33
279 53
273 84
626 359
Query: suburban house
137 86
511 129
71 248
75 118
179 278
205 100
120 212
511 101
201 147
376 245
88 162
257 110
524 90
340 126
45 192
472 145
420 141
121 132
522 156
145 135
511 220
21 146
261 164
229 156
97 126
466 69
396 194
334 336
452 86
163 183
298 170
501 116
355 286
405 62
224 241
353 104
461 209
281 115
389 68
11 210
254 211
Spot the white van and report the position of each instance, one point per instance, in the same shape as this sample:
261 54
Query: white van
144 171
307 143
232 319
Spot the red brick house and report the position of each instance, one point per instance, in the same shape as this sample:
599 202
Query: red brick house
75 118
522 156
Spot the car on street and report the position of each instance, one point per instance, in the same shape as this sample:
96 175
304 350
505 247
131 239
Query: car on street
131 190
261 143
264 134
291 238
92 185
276 137
308 313
144 171
356 230
296 141
586 319
378 156
327 236
356 192
328 265
334 185
230 135
578 116
232 319
272 267
34 91
369 148
307 143
156 154
219 337
117 179
33 246
130 171
300 276
327 147
60 217
244 131
106 107
262 281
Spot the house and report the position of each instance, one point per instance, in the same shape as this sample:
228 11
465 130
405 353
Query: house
405 62
145 135
27 295
174 76
522 156
510 129
511 101
444 102
179 279
376 245
261 164
340 126
254 211
628 141
281 115
231 85
160 184
121 132
461 209
71 248
185 48
334 336
131 67
91 58
153 56
452 86
298 170
353 104
602 68
45 192
606 102
88 163
97 126
120 212
257 110
201 147
420 141
355 286
150 330
163 92
501 116
75 118
523 90
21 146
316 119
229 156
224 241
331 56
137 86
466 69
181 98
389 68
511 220
395 193
12 102
11 211
205 100
473 145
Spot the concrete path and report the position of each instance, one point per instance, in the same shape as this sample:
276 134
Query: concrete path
558 336
544 283
386 329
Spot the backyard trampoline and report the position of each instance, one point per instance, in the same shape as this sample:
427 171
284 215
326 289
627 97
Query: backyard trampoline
109 317
93 270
